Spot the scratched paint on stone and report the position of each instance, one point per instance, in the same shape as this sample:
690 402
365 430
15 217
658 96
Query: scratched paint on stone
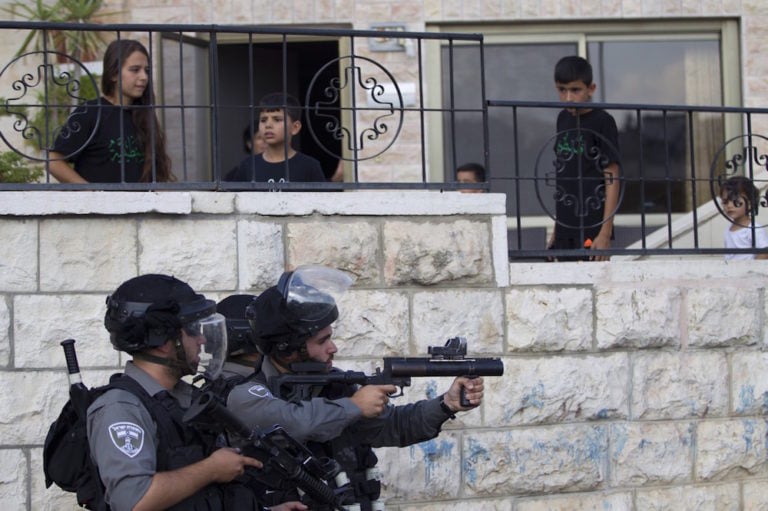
746 398
432 452
478 455
533 398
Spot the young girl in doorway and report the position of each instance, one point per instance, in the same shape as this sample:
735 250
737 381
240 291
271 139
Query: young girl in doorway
739 199
117 137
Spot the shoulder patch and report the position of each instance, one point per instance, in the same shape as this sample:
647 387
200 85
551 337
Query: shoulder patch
127 437
259 391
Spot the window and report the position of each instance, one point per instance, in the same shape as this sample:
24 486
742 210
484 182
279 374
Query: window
672 63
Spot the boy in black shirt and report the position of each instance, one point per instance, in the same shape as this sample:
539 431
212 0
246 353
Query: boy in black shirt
587 165
279 122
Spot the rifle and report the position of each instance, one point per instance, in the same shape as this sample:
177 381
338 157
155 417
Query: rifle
448 360
278 451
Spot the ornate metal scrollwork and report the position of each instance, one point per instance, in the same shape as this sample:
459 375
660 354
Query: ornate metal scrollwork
357 76
41 99
552 180
746 160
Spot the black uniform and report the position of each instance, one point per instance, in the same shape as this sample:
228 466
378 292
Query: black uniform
586 145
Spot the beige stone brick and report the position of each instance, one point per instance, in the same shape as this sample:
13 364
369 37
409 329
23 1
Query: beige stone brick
730 449
484 504
434 252
37 335
530 8
374 324
678 385
541 460
706 309
541 319
18 261
691 7
559 389
491 9
198 251
451 9
590 8
86 254
512 8
473 314
260 254
14 471
355 247
638 317
576 502
432 10
429 470
755 496
724 497
651 453
749 383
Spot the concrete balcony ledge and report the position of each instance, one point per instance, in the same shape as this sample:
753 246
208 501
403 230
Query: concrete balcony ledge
32 203
376 203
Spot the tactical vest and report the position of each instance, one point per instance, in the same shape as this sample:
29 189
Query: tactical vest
180 445
357 461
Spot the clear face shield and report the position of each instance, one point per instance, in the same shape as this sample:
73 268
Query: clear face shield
208 336
311 292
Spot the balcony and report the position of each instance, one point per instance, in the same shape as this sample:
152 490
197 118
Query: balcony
385 109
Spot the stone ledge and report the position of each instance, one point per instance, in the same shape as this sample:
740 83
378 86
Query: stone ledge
377 203
94 203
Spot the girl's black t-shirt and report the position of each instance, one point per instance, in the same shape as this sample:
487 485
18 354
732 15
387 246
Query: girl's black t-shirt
93 141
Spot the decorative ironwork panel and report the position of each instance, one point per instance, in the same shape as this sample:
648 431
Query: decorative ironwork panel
49 86
375 114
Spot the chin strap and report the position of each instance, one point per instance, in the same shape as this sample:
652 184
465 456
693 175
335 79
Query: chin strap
179 365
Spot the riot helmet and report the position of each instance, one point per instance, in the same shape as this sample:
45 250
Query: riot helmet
147 311
239 333
301 304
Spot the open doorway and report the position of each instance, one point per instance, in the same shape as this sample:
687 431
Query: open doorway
238 94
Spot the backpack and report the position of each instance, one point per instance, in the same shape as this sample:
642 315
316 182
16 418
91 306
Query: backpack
66 455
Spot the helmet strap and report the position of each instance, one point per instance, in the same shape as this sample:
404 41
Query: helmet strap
178 365
154 359
182 364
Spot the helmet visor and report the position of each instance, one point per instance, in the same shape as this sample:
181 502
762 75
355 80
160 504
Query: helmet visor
311 292
210 334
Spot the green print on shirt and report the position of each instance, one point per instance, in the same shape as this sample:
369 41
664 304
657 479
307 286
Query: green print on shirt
567 147
132 151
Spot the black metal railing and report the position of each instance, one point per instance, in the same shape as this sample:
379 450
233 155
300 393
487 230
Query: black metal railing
361 93
671 172
370 105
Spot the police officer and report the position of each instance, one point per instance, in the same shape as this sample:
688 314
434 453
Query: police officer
243 357
242 362
292 323
169 330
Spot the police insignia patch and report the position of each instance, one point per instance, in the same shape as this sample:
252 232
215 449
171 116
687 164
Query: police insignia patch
127 437
259 391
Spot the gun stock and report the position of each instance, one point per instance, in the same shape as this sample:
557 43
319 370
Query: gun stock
276 450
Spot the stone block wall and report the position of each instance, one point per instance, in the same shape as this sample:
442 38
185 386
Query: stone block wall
627 386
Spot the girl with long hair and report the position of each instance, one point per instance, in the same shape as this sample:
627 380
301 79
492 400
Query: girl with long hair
117 137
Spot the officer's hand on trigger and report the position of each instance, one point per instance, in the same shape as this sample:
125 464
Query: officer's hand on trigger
473 389
227 463
372 399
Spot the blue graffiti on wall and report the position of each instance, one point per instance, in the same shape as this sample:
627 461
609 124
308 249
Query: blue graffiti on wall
432 451
746 398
